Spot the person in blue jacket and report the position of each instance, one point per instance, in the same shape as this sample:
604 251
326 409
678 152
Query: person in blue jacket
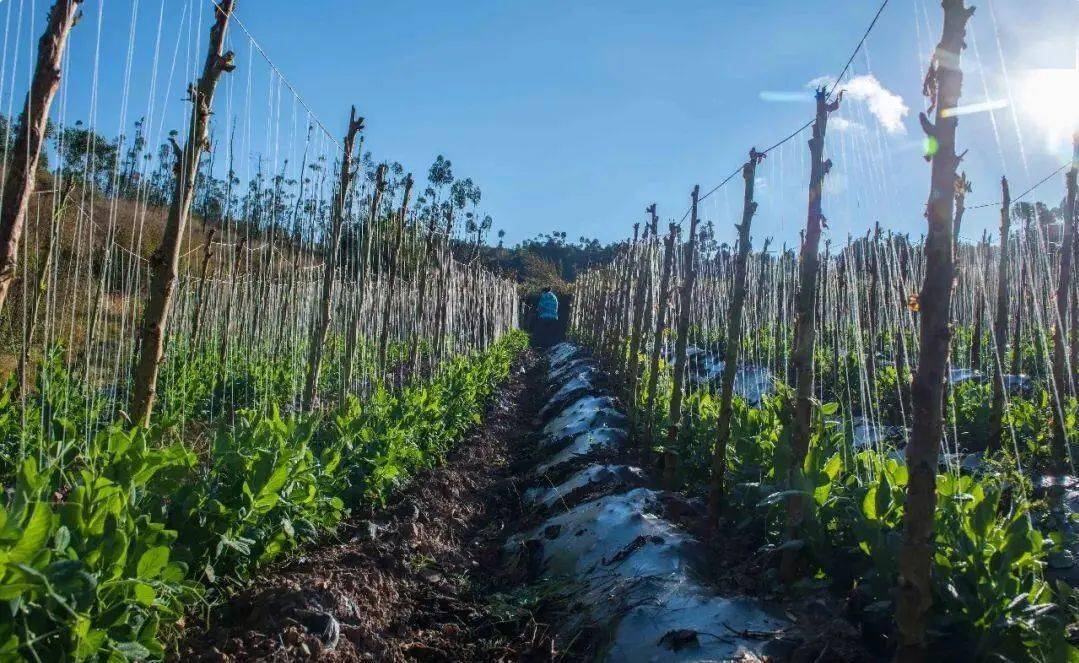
545 328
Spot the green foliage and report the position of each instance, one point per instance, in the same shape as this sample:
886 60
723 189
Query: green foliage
87 573
105 543
989 558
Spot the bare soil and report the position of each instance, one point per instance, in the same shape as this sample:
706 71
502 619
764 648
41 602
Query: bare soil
423 580
411 582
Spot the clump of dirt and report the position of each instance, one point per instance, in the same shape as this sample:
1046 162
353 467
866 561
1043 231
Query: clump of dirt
410 582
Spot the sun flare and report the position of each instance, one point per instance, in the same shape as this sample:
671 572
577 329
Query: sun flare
1049 98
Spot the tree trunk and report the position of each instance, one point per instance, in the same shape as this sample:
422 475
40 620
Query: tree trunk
1061 381
1000 325
734 340
20 175
164 263
674 418
802 354
322 323
943 85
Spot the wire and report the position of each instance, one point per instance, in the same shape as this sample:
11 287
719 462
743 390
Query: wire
276 70
792 135
858 48
1024 194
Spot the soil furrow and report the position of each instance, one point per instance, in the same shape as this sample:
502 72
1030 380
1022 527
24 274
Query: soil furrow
411 581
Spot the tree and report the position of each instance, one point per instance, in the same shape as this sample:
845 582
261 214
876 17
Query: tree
804 329
21 172
164 263
943 84
734 339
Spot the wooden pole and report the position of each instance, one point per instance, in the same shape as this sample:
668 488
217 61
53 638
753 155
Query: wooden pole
977 334
1000 324
322 322
674 418
1020 307
657 338
641 316
943 85
164 263
1061 381
804 329
200 293
20 175
395 261
354 321
734 340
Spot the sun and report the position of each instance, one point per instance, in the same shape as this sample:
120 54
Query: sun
1049 98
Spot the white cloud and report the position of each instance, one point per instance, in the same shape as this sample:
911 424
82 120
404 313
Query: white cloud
885 105
843 125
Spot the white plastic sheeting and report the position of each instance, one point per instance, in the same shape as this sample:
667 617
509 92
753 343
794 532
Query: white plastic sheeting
637 571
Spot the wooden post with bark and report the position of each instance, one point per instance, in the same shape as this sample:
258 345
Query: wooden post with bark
164 263
962 188
943 85
657 337
804 330
353 335
873 258
644 272
716 492
1000 323
322 323
421 295
1020 304
395 265
1061 379
20 175
41 282
200 293
674 416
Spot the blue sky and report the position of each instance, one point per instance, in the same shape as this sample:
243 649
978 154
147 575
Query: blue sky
573 116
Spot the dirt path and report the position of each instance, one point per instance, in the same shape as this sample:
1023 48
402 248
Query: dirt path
537 540
413 581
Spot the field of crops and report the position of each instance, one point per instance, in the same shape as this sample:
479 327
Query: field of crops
209 365
225 330
793 391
